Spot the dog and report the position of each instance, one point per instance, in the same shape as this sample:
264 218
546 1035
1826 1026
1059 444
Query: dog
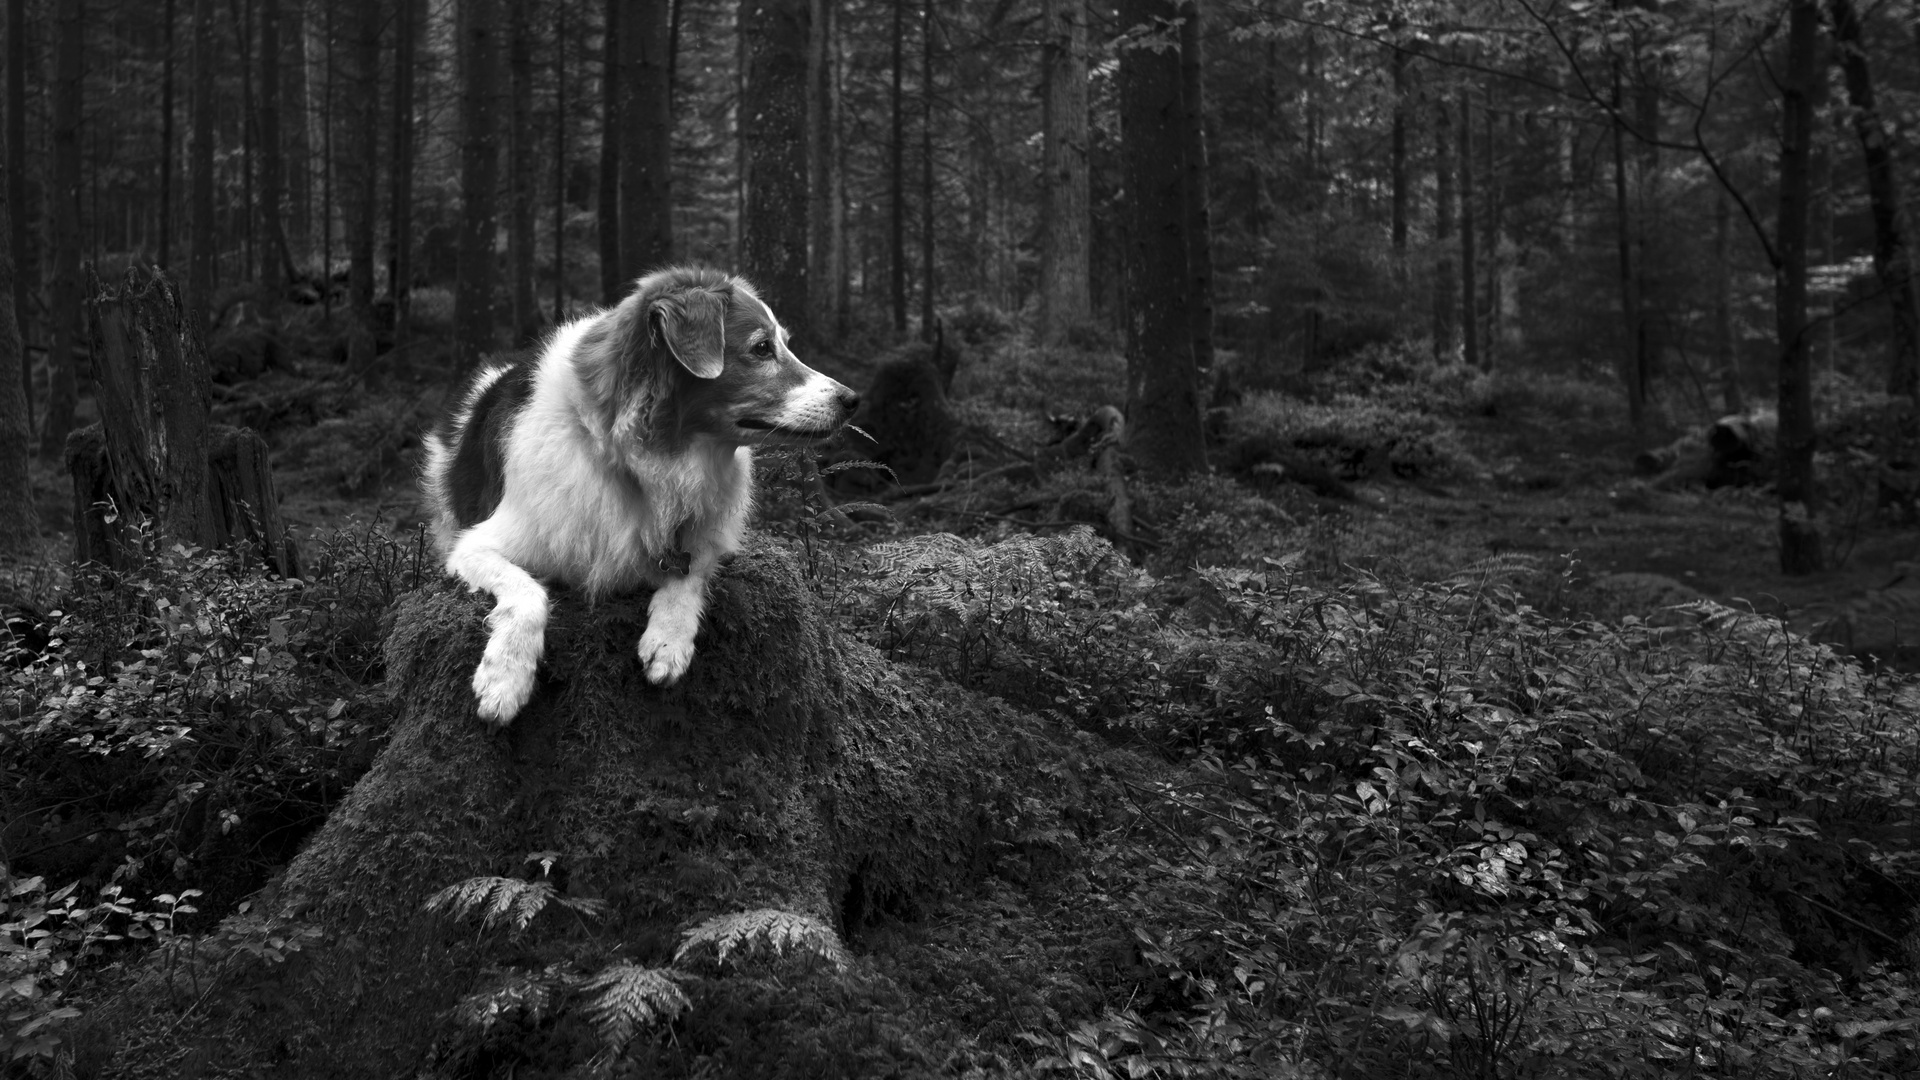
621 454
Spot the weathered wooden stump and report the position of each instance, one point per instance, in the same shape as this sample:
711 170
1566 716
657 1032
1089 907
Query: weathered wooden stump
156 456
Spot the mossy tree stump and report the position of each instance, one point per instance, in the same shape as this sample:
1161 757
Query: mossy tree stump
792 769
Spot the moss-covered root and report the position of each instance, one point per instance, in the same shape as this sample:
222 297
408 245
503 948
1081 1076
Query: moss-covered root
791 770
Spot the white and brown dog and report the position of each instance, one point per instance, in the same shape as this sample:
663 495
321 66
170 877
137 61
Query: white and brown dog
620 455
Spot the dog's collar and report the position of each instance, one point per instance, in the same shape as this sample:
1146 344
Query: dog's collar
675 562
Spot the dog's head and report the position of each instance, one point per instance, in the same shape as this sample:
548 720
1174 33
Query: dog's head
694 352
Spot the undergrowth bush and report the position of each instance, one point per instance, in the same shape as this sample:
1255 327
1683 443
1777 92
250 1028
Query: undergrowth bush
194 716
1429 831
1357 436
1426 831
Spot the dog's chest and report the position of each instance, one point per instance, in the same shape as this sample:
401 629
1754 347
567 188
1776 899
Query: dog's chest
649 516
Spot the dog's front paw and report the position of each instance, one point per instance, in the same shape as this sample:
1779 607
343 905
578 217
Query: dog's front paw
502 684
665 657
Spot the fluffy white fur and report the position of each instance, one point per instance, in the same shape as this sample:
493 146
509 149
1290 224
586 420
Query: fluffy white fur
588 502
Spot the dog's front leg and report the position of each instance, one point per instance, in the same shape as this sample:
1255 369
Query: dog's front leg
673 618
504 680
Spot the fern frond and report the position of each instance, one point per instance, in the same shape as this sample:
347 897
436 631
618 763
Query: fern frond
519 998
783 931
505 899
628 997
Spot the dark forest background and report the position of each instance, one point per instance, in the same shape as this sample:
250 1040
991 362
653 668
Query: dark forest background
1400 515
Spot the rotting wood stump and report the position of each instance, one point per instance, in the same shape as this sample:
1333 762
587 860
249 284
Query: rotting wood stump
156 456
792 769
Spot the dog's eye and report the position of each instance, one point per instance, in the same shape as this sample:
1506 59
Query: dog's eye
763 347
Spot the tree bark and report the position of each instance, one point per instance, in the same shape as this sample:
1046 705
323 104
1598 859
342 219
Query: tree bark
1199 289
1444 338
524 318
646 139
1632 366
362 175
277 269
63 313
1800 549
613 281
1469 278
823 161
1725 354
1397 158
166 139
408 19
156 456
793 769
1165 433
203 223
19 526
20 251
897 175
774 131
474 316
928 288
1892 259
1066 295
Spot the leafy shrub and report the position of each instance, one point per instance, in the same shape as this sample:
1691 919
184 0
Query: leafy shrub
195 716
1358 437
1426 831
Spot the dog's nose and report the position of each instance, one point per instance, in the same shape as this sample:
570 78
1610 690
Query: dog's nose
848 399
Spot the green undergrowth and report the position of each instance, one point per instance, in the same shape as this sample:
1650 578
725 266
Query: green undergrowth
1427 830
191 719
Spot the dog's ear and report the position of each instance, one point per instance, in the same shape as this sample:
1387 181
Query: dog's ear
693 324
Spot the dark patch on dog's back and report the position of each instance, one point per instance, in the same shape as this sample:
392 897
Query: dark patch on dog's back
477 477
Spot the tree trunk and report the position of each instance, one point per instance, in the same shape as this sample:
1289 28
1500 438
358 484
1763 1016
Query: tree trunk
1066 295
1469 277
155 456
927 268
1631 367
773 129
166 139
524 319
19 526
1165 434
473 304
24 276
1725 353
1397 162
823 159
897 175
560 144
1799 529
63 201
408 20
792 770
646 139
1892 260
361 174
203 221
1199 291
1444 340
613 282
277 268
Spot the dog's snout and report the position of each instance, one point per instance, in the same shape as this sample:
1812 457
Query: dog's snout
848 400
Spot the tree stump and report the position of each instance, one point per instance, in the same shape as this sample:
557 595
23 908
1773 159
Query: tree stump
905 411
156 455
792 769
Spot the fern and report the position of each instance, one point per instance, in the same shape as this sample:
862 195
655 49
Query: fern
629 997
783 931
505 900
519 999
